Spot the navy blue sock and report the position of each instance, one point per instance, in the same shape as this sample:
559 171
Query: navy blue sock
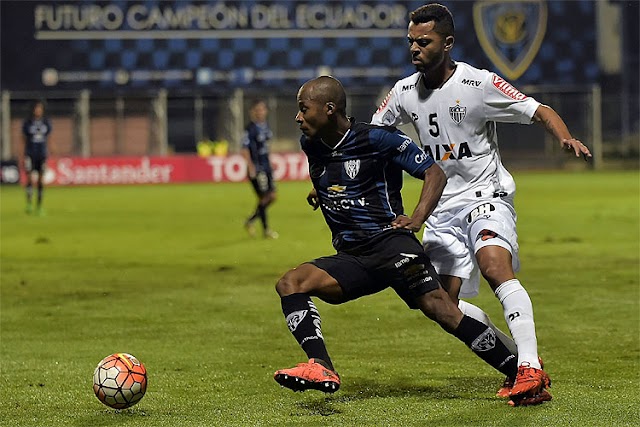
303 321
40 191
483 342
29 189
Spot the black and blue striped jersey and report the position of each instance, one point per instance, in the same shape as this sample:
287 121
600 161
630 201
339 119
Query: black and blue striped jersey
358 181
256 139
36 133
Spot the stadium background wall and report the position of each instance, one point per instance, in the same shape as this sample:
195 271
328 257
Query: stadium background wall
155 78
65 171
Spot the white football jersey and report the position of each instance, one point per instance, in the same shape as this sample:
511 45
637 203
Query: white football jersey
457 127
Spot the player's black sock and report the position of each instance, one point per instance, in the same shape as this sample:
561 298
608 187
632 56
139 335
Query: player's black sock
262 213
40 190
29 189
482 341
253 217
303 321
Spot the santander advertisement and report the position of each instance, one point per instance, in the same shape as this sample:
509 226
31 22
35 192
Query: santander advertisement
166 170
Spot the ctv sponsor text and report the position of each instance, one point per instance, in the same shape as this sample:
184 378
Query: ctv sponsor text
166 170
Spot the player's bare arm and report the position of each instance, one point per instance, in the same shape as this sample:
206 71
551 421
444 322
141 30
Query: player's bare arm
21 155
554 124
434 183
251 168
51 147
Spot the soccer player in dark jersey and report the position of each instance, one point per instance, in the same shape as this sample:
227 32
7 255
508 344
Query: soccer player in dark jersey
357 170
36 130
255 149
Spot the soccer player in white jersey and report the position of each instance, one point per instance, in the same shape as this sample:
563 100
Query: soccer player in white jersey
454 108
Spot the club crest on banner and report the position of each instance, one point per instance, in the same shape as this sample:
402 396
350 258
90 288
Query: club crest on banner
352 167
510 33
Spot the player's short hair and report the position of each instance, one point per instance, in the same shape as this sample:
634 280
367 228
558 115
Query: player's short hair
325 89
256 101
32 106
439 14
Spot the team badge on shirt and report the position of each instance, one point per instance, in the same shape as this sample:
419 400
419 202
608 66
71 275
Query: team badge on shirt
457 112
352 167
388 118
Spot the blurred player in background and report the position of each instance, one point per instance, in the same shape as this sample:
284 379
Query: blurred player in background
255 150
454 108
36 130
357 171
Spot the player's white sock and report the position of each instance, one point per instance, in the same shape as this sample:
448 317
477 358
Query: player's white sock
518 312
477 313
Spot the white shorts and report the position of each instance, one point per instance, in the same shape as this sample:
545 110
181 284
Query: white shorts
451 241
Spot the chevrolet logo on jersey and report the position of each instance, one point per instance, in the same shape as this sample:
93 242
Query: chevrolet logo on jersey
336 188
510 33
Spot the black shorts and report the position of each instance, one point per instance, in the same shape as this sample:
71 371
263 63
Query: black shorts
35 163
394 259
263 183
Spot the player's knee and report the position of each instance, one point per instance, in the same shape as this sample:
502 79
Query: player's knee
289 284
267 199
496 271
489 267
495 264
437 306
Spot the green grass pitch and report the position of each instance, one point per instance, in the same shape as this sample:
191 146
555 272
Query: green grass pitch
167 273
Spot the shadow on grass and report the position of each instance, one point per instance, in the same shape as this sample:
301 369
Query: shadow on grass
358 389
112 417
446 388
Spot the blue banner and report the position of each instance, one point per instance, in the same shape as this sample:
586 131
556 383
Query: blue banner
214 45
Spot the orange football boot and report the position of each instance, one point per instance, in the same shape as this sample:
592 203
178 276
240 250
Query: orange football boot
530 387
310 375
507 385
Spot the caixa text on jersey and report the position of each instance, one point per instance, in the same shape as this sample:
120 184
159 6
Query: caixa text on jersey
448 151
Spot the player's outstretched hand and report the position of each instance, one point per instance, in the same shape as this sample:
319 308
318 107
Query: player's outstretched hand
577 146
312 199
403 221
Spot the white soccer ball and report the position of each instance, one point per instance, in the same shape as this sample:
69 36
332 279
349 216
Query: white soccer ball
120 381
